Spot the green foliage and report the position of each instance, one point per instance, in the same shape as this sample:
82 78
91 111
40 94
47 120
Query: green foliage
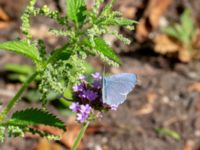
75 10
168 132
184 31
34 116
60 69
15 131
43 134
18 72
19 69
105 49
23 48
2 133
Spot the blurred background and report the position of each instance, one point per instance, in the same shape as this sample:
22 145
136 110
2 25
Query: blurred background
162 112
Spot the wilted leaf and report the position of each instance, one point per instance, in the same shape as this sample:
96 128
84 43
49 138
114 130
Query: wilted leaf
3 15
150 20
164 45
44 144
190 145
194 87
185 54
144 110
151 97
127 12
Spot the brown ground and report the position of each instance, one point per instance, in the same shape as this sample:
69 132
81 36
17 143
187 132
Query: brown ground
167 95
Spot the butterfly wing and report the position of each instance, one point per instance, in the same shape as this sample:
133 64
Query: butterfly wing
117 87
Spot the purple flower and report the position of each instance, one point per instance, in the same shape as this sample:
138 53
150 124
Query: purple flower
84 113
114 107
96 76
81 117
78 88
97 84
82 77
90 95
74 107
85 109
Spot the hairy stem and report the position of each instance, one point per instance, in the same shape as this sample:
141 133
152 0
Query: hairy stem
15 99
80 136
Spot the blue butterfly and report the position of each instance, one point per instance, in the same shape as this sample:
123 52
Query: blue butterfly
116 88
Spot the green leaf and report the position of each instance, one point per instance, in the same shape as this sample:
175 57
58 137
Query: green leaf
106 50
34 116
17 77
18 68
23 48
76 9
171 31
108 8
44 134
60 54
118 21
187 23
168 132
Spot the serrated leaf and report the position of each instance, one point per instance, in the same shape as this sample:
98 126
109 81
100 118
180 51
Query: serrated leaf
118 21
59 54
21 47
34 116
108 8
47 135
106 50
75 10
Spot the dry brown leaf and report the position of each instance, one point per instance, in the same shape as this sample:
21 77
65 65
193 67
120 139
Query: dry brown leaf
67 137
44 144
151 18
146 109
156 9
141 30
151 97
128 12
190 145
167 45
184 55
4 25
3 15
164 45
70 136
194 87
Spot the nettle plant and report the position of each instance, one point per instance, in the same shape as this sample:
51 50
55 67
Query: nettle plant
64 67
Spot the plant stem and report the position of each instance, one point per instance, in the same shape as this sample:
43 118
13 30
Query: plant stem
80 136
17 96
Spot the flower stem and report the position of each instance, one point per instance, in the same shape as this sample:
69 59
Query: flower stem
17 96
80 136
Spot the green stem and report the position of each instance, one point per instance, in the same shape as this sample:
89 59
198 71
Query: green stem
80 136
15 99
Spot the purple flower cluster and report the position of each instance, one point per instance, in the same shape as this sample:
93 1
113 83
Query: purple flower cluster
82 111
88 96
